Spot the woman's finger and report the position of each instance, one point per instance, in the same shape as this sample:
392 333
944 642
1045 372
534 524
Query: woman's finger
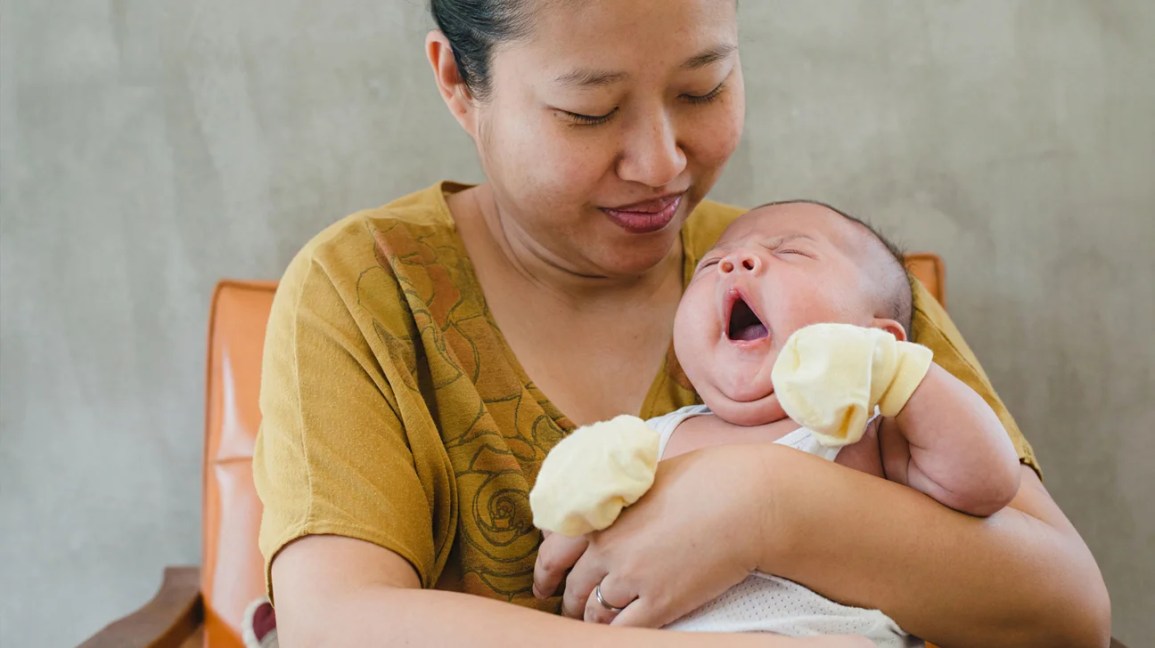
579 585
555 557
705 540
615 599
640 613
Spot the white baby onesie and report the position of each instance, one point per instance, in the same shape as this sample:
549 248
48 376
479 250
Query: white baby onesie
765 603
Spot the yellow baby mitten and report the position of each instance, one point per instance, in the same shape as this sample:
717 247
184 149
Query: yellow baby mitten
830 377
591 475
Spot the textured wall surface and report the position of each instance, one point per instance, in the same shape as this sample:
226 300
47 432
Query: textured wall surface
149 148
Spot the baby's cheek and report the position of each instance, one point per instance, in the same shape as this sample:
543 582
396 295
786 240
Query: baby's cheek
689 346
771 358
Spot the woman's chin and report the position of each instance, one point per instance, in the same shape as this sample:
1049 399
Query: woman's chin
637 253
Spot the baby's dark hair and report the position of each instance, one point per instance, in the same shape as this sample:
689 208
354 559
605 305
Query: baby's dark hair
474 28
896 287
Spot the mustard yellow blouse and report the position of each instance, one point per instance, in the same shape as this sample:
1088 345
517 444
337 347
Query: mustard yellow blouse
394 411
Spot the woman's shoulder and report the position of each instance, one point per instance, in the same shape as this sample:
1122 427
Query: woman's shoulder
387 245
360 240
421 213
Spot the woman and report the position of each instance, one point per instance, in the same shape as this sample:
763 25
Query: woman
402 428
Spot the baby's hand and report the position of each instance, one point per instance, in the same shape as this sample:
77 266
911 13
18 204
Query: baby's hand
591 475
830 377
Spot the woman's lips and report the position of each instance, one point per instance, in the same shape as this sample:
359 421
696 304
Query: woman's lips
645 217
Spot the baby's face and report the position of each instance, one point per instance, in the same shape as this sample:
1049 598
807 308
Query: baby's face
775 270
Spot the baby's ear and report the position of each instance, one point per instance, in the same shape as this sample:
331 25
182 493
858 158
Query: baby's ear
890 326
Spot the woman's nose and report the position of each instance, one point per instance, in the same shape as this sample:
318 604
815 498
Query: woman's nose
740 262
651 155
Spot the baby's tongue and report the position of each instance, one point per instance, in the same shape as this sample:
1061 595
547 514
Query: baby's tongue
744 324
751 332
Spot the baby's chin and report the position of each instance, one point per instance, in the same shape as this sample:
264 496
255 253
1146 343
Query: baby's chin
748 413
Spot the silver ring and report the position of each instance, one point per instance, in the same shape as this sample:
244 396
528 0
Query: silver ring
598 596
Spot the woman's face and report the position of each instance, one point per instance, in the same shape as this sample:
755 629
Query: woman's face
608 124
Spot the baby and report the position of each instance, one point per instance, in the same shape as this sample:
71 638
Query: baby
802 310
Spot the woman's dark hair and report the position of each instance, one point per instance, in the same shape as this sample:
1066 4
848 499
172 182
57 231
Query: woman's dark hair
473 28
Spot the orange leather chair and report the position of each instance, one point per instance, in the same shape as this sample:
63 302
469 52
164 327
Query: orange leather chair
206 606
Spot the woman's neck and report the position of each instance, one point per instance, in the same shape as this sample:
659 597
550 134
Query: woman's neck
497 245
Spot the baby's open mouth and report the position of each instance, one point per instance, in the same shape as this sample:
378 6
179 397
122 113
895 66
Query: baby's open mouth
744 324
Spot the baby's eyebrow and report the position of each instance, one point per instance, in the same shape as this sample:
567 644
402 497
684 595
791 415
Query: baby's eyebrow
786 238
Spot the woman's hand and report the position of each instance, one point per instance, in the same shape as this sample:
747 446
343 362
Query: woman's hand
689 539
555 557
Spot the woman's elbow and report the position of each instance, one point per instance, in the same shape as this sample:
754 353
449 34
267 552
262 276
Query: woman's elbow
1092 627
1080 616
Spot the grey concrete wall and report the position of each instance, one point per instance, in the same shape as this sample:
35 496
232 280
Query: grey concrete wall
149 148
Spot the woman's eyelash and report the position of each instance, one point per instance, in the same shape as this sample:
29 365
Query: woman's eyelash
589 120
594 120
708 97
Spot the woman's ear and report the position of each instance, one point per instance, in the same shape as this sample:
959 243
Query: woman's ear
890 326
452 87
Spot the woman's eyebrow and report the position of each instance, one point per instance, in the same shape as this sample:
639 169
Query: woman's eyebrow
716 53
591 78
594 78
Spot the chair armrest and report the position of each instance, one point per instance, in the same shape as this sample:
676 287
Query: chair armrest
172 616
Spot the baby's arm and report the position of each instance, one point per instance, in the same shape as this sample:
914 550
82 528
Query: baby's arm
948 443
939 436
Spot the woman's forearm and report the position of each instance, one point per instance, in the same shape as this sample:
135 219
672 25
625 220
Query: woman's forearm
1018 578
335 591
385 616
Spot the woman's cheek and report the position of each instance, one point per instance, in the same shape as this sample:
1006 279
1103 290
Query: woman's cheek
724 135
718 130
569 162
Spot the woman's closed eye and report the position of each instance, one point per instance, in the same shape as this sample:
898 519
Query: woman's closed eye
585 119
582 119
708 97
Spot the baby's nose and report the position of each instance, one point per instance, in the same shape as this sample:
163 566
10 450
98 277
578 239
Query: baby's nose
739 261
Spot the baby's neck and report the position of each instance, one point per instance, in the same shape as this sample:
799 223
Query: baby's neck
711 430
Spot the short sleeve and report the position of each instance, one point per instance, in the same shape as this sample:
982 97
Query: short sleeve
332 455
933 328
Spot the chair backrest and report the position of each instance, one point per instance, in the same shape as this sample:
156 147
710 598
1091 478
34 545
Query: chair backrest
232 571
929 269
